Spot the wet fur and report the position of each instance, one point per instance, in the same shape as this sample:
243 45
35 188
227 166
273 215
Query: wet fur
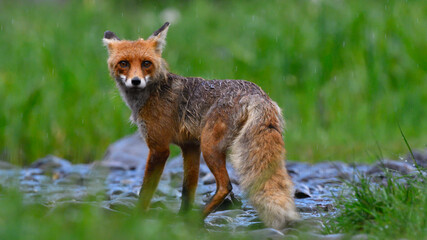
213 117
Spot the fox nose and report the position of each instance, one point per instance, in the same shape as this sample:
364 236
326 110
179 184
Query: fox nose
136 81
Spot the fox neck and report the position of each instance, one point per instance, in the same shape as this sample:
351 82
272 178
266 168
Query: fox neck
135 98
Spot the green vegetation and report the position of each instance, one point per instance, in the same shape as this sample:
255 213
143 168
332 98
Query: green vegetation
344 72
84 221
394 211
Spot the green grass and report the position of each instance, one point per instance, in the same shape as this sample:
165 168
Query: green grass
344 72
86 221
395 211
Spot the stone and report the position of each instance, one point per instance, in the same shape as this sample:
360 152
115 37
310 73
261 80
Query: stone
218 222
420 158
337 236
218 219
208 179
123 204
265 234
50 163
128 153
393 166
229 213
302 191
311 225
164 189
117 191
6 165
131 195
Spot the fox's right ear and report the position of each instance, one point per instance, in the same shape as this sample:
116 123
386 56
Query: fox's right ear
109 37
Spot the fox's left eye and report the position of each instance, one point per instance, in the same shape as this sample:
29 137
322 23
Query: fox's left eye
146 64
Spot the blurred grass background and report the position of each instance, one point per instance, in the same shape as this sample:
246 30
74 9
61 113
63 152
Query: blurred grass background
344 72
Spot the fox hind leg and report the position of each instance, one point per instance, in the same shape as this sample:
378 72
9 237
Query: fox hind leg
214 155
191 155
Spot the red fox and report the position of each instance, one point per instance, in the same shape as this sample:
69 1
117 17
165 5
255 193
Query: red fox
217 118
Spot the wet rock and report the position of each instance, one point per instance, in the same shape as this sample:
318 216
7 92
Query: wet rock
41 179
5 165
325 170
266 234
74 178
175 165
230 213
128 153
294 168
306 209
208 179
218 222
338 236
117 191
69 205
50 163
360 169
70 195
218 219
123 204
131 195
207 190
164 189
302 191
420 158
310 225
391 165
203 169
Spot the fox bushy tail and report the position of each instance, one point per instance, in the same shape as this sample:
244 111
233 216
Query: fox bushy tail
257 155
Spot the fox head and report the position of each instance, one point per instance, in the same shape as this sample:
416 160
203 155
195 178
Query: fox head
136 64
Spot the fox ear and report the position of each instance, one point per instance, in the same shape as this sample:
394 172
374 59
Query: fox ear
109 37
159 37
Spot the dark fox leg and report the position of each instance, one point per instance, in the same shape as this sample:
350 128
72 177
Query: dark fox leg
191 154
153 170
214 156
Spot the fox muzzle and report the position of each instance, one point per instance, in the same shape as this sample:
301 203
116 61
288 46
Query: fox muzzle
136 81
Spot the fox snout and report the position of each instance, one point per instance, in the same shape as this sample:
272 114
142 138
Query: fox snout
135 82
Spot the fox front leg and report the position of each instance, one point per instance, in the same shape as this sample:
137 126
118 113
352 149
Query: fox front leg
191 155
153 170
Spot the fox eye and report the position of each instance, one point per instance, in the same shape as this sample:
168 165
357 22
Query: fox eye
146 64
124 64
